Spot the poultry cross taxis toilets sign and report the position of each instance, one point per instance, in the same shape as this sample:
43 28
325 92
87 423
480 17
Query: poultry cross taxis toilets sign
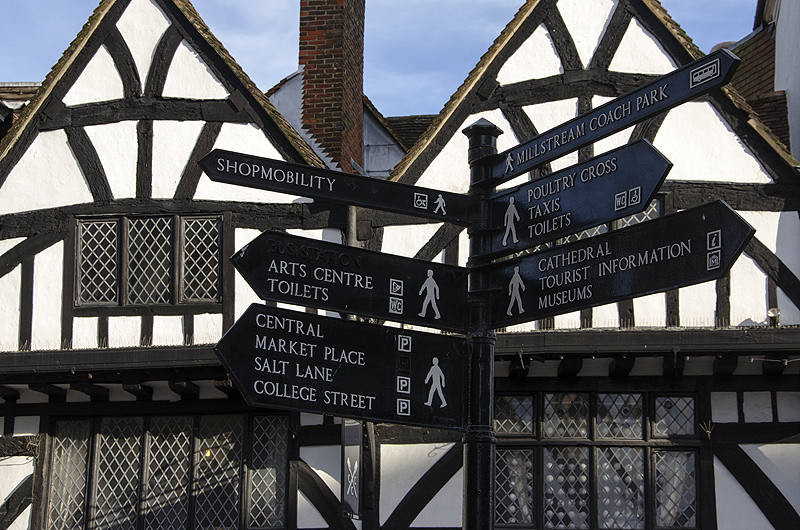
363 371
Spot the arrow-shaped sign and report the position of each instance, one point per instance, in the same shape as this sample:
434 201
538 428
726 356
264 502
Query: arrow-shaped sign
616 184
307 272
335 186
664 93
298 361
685 248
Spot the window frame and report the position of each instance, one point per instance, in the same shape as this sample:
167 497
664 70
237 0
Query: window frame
178 304
649 443
243 478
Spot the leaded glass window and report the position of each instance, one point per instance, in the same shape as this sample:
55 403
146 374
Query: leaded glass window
135 261
192 470
598 461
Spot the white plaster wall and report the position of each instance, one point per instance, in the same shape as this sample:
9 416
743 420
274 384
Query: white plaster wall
735 508
545 369
757 407
98 82
167 330
327 462
787 57
48 274
568 320
47 166
617 139
124 332
595 367
790 313
586 22
189 77
173 143
651 310
788 406
749 293
142 24
445 508
724 407
401 467
13 470
698 304
243 292
23 522
778 231
381 151
26 425
407 240
545 116
781 463
647 366
640 52
449 171
207 328
698 366
536 58
117 147
605 316
84 332
289 100
307 515
250 140
9 310
703 147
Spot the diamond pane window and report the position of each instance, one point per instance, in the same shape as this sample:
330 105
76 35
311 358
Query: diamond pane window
170 450
514 486
201 259
142 261
68 475
653 211
97 262
150 260
620 488
216 473
675 489
513 414
619 416
566 415
117 489
566 487
674 416
268 472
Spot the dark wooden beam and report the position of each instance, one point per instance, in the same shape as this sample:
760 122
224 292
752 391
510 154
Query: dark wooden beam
621 365
8 394
185 389
570 366
55 393
674 363
226 386
95 392
774 364
725 364
142 392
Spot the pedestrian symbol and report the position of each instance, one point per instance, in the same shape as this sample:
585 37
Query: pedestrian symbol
431 290
437 385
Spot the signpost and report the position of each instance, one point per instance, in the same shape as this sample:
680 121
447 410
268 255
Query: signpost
686 248
299 361
668 91
306 272
335 186
616 184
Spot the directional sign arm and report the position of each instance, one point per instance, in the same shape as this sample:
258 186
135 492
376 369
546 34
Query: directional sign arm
616 184
693 246
317 183
666 92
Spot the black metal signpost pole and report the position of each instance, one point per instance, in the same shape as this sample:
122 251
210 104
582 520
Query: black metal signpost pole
480 441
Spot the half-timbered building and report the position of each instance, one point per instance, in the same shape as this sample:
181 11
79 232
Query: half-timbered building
674 410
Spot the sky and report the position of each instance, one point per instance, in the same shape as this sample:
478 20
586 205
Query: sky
417 52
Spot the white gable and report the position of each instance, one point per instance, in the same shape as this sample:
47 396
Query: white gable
173 143
98 82
703 147
535 59
250 140
47 176
586 22
116 145
640 53
142 25
545 116
190 77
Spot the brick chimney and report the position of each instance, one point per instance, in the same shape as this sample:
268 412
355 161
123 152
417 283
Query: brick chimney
332 59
